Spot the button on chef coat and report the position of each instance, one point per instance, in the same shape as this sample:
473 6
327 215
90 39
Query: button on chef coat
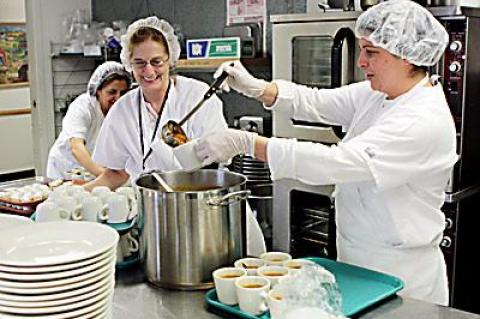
390 172
118 144
83 120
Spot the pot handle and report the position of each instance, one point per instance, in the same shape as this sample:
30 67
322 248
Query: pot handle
230 198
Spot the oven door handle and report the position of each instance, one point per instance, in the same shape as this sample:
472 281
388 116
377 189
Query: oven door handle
337 48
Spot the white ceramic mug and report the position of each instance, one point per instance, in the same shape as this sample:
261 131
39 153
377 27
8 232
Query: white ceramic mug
224 279
93 209
57 194
70 205
100 189
295 265
132 199
129 244
273 273
187 157
250 264
50 211
275 257
118 208
252 294
275 303
75 189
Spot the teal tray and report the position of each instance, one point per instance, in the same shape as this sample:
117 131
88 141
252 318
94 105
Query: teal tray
121 228
129 262
360 288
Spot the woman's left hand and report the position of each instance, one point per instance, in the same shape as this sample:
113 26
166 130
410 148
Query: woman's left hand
219 147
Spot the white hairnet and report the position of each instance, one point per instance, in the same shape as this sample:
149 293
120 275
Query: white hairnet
155 23
103 72
405 29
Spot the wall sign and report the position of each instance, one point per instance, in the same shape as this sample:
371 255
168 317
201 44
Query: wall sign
219 48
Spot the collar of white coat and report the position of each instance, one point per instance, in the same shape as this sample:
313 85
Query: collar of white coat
97 107
170 99
409 93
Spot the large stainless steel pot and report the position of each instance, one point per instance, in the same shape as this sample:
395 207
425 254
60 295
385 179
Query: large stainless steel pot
187 234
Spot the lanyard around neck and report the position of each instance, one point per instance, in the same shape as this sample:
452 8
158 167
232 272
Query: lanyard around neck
140 125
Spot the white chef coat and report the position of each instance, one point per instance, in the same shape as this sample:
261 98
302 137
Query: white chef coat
390 172
83 120
118 144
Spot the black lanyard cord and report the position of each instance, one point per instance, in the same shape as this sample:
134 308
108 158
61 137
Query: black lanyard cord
140 125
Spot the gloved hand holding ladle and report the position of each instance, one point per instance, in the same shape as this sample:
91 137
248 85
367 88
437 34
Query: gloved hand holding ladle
172 132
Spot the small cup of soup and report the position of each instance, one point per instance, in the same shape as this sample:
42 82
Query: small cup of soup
250 265
275 257
295 265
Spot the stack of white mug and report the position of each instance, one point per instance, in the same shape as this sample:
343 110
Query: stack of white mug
251 282
72 202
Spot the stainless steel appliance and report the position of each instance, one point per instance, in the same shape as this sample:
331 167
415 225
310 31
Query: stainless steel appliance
187 234
460 75
317 50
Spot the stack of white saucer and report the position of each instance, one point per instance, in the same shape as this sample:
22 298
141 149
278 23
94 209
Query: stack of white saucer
57 270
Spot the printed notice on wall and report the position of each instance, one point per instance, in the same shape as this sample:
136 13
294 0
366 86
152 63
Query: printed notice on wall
246 11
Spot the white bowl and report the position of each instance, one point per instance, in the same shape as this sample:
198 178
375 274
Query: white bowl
55 298
74 310
12 221
54 276
58 282
56 268
54 243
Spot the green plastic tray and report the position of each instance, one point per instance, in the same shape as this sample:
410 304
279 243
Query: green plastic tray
121 228
360 289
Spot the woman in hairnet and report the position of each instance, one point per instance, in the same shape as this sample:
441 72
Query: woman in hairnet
150 49
83 120
392 166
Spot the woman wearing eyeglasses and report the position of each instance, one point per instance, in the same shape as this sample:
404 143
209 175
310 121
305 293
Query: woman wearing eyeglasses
130 141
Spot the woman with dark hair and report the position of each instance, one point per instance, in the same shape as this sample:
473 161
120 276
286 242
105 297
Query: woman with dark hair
83 120
391 168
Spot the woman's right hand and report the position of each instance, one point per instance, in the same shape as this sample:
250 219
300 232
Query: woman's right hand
240 79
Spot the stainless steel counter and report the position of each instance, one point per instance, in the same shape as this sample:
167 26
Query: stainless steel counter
134 298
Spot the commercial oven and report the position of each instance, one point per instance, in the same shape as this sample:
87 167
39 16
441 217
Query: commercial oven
318 50
459 71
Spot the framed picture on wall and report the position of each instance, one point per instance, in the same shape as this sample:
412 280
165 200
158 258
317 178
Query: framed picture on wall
13 54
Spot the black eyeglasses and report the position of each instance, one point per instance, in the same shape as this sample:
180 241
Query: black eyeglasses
155 63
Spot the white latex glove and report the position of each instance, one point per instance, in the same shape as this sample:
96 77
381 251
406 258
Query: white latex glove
221 146
240 80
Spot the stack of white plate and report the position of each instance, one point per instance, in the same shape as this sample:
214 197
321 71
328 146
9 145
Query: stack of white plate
57 270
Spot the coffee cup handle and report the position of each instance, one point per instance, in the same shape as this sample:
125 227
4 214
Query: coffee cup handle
264 304
77 214
63 213
133 208
103 214
133 243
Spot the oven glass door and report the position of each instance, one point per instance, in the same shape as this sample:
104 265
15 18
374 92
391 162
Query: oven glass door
311 60
303 53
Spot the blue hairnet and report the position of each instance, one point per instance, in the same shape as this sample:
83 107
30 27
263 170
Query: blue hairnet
405 29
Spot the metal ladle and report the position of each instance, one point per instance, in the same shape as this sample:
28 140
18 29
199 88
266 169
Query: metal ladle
162 182
172 132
